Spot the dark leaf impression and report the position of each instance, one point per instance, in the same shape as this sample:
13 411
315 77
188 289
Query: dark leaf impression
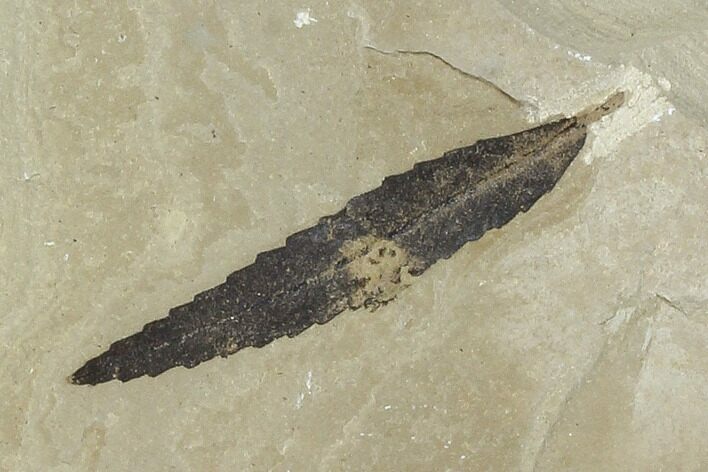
364 255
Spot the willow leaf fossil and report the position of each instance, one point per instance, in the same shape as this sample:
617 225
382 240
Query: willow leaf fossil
361 256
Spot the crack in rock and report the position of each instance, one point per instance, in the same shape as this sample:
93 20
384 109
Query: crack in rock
439 58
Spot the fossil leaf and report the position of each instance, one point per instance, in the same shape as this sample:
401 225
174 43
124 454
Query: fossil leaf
361 256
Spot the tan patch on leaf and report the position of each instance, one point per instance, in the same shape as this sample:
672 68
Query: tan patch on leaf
380 268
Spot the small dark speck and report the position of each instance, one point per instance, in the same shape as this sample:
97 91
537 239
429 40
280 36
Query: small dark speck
213 133
462 350
156 97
